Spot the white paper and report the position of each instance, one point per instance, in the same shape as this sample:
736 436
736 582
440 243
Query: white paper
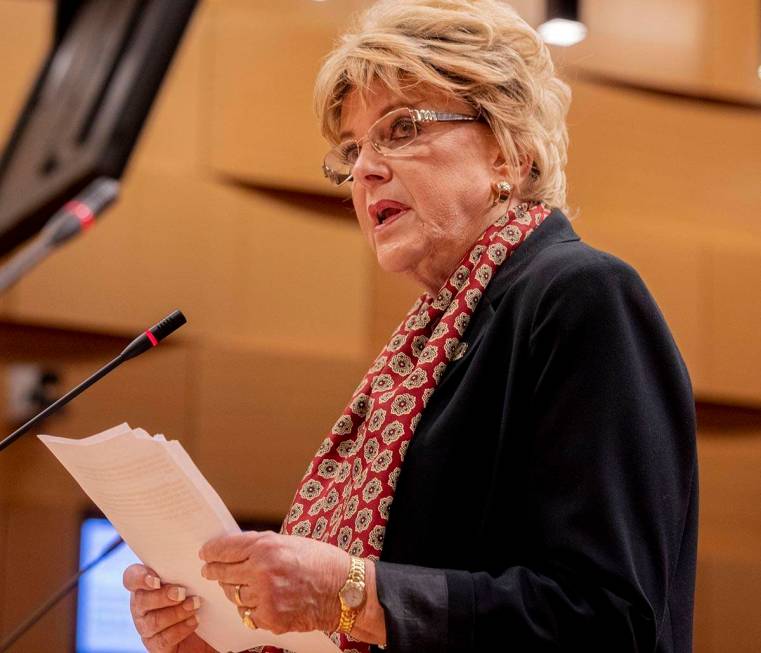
164 508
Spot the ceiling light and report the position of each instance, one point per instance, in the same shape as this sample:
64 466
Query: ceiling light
563 26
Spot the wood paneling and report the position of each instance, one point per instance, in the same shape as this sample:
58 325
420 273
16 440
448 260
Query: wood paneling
729 569
635 155
730 492
726 606
40 554
733 320
262 417
249 265
26 26
265 56
393 296
694 46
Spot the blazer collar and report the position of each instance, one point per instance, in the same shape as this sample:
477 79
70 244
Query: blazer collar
556 228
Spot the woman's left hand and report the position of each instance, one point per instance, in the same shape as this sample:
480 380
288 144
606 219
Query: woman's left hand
289 583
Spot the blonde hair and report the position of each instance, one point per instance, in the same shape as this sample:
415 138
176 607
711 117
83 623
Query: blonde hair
479 51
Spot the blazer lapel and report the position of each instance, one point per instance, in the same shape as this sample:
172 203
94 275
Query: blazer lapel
556 228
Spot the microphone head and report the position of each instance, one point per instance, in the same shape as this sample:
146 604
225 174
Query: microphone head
154 335
80 213
168 325
99 194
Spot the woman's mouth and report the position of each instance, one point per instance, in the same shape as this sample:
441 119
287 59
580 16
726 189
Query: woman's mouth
385 212
389 215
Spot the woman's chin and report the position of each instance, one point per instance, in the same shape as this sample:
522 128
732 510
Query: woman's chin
394 261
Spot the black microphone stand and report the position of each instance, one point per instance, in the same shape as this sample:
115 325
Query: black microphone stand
75 217
69 585
142 343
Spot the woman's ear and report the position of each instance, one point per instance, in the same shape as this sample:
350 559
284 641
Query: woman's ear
515 175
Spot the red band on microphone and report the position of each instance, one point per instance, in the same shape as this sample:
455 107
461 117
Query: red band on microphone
85 216
152 338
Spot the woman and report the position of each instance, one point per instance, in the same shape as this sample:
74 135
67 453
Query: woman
517 470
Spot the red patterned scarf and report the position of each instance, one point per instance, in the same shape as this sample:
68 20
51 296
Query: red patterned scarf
346 494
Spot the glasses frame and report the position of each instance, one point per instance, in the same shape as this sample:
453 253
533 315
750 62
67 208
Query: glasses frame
419 116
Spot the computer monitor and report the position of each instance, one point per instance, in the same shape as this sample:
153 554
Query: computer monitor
104 624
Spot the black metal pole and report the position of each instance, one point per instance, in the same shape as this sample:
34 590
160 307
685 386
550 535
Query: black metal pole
53 600
61 402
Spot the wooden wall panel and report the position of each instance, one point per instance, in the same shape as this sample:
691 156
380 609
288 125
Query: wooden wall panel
266 55
734 319
730 491
726 610
639 156
40 554
26 26
654 40
249 265
703 47
262 417
729 569
731 47
393 296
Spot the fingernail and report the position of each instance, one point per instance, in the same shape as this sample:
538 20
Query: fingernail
176 593
192 621
193 603
152 581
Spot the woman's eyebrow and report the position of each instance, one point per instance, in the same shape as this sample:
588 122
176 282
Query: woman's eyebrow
344 135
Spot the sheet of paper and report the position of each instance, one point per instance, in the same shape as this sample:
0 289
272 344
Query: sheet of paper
163 507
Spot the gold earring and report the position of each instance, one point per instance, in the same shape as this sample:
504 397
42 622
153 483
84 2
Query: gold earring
502 189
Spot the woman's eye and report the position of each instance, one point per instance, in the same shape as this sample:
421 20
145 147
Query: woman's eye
349 153
402 128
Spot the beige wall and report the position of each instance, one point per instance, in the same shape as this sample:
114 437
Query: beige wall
224 214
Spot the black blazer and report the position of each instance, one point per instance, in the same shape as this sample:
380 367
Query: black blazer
548 500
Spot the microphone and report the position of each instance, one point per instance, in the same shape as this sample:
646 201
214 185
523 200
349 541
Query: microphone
145 341
79 214
76 216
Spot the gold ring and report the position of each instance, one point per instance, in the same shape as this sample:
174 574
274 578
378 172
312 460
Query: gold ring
248 622
237 596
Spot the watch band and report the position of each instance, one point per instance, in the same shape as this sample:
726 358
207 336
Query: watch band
356 578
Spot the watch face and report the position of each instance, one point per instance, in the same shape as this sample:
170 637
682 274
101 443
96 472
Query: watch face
353 594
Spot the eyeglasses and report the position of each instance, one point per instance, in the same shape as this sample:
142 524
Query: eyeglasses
392 132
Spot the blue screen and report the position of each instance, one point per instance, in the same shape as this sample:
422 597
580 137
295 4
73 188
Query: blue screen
104 624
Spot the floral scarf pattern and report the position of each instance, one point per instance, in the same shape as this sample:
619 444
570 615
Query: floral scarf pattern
346 494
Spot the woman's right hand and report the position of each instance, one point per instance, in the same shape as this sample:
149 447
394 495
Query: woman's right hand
164 616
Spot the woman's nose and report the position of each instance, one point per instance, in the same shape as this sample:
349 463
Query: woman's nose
371 167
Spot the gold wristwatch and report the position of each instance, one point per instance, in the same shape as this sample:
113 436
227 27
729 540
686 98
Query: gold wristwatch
352 595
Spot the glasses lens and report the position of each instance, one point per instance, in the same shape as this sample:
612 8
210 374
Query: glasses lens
339 162
393 131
